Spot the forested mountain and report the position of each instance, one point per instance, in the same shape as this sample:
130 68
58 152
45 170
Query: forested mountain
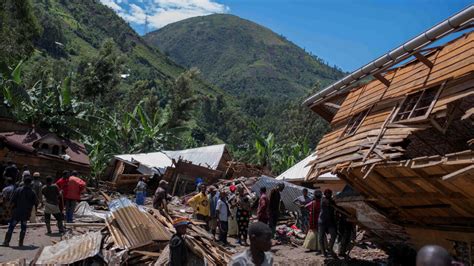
268 75
241 56
88 75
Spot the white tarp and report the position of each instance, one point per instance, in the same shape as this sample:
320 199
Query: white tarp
299 171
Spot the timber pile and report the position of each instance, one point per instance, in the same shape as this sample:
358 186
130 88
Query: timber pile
133 235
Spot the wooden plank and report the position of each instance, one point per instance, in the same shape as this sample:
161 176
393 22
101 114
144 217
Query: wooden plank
424 60
463 172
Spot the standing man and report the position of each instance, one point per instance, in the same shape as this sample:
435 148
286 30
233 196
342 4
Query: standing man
8 190
213 198
200 204
11 171
274 207
36 186
140 191
71 187
52 195
26 172
62 184
160 199
262 211
23 201
223 213
178 250
7 194
260 243
301 202
327 223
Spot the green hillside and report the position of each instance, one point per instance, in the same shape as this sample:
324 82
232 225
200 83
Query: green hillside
87 74
242 57
75 30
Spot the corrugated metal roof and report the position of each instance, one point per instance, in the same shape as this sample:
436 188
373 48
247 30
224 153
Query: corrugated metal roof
208 156
131 227
288 195
299 171
75 249
147 161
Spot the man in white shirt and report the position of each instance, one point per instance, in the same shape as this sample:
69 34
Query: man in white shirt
223 213
260 243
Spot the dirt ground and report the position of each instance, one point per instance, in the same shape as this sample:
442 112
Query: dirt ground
283 254
35 239
291 255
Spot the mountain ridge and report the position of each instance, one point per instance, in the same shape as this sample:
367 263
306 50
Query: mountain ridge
241 56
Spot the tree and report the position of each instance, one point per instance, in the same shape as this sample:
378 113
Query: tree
101 74
48 106
182 98
52 38
18 30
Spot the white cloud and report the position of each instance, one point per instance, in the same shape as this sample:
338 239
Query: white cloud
112 4
163 12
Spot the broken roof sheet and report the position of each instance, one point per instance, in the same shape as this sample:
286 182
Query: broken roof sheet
299 171
69 251
209 156
158 160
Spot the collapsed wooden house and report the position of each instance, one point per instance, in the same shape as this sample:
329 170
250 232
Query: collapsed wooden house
405 140
42 151
180 168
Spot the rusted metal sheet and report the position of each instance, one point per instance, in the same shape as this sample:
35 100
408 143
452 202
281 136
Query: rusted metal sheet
69 251
132 227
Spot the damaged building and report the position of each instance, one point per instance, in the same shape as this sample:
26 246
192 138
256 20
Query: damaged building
181 168
41 150
405 140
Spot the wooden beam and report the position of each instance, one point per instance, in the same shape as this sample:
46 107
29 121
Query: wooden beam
468 170
332 105
383 128
423 59
437 126
385 81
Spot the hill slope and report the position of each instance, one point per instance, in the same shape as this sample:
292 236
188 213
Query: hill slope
242 57
73 30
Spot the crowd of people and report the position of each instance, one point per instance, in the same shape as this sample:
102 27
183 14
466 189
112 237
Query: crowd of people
216 209
24 194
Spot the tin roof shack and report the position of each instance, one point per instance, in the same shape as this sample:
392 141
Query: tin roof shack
298 172
42 151
405 142
208 162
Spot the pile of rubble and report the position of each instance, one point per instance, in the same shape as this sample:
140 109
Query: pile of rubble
133 235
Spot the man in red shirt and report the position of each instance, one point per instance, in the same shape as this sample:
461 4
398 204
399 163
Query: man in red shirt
71 187
263 203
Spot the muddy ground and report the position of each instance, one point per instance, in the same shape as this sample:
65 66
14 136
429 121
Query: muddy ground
283 254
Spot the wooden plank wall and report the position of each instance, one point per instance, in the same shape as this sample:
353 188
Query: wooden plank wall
45 166
453 60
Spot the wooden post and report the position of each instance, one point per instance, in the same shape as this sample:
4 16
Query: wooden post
175 184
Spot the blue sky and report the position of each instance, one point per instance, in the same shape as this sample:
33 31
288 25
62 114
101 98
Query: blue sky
348 34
